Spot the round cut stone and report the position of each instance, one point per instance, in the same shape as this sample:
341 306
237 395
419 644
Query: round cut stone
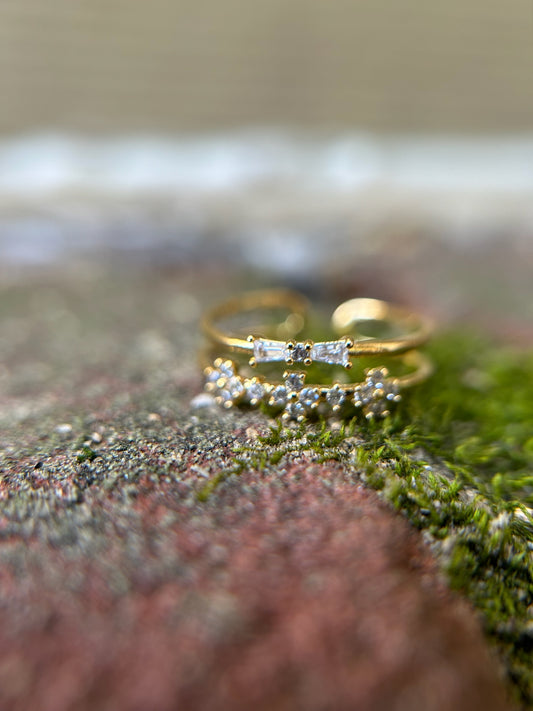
213 376
335 396
309 397
358 397
278 397
233 388
255 392
294 381
377 377
294 410
225 369
377 408
297 354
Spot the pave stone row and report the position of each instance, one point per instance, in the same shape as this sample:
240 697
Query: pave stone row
374 395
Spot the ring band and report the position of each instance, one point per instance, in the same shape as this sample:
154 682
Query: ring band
347 317
373 396
296 304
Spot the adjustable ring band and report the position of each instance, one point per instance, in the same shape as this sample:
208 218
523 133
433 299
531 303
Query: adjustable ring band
348 317
296 304
297 400
354 313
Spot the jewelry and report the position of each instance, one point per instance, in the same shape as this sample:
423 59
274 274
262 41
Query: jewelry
297 400
415 330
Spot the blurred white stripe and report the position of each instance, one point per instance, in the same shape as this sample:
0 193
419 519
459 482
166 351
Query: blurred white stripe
44 164
288 203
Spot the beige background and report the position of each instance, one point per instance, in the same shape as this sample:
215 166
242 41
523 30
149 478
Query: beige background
401 65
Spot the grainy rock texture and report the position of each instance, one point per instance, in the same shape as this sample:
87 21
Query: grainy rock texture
124 586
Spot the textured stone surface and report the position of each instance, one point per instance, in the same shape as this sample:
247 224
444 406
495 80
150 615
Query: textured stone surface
124 586
296 589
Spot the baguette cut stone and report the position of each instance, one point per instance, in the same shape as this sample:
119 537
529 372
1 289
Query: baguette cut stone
332 352
266 351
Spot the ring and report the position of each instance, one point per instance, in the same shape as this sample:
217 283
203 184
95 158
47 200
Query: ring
414 330
297 400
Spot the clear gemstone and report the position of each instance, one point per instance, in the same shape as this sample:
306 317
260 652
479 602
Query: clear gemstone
335 396
309 397
376 393
226 369
267 351
368 392
234 388
213 376
377 377
297 354
294 410
363 394
332 352
377 408
255 391
225 395
278 396
294 381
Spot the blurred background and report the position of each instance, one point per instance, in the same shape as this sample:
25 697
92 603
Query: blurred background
382 147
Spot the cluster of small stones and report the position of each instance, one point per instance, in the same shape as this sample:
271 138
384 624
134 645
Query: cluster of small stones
295 399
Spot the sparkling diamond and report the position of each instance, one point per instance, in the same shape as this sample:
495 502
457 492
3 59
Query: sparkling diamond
332 352
294 410
335 397
377 377
376 393
377 408
213 376
226 368
233 389
358 396
278 397
364 393
255 391
309 397
294 381
297 354
267 351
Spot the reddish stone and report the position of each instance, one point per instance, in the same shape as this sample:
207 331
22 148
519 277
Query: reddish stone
292 590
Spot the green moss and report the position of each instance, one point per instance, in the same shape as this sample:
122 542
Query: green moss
86 454
456 458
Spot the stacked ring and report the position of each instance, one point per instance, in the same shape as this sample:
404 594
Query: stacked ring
231 385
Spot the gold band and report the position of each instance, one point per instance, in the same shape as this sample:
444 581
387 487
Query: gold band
298 400
348 318
296 304
354 313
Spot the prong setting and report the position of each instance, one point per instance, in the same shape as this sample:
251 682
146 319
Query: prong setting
373 397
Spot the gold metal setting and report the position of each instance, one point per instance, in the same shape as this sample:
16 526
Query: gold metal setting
292 397
351 317
296 399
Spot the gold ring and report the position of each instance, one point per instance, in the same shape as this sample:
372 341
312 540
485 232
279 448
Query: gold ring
350 317
297 400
